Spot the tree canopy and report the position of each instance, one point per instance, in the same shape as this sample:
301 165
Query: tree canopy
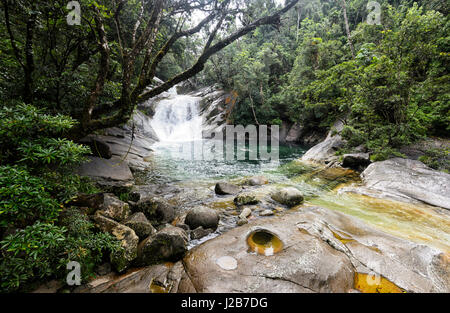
105 64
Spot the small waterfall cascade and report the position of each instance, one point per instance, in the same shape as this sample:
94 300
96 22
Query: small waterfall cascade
177 118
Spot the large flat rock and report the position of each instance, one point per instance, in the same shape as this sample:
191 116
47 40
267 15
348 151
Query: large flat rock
323 252
114 169
405 180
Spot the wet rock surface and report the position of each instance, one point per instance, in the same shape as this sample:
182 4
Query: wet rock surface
156 209
199 233
140 224
356 161
323 251
226 189
121 260
289 196
169 244
246 198
202 217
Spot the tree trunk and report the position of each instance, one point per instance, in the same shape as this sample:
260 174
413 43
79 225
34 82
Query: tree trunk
29 58
347 27
122 109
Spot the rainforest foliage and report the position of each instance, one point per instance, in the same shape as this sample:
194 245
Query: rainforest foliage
39 236
388 83
70 68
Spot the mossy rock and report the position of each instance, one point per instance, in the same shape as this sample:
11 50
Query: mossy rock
246 198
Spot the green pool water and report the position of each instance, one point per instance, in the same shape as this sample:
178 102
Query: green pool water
418 223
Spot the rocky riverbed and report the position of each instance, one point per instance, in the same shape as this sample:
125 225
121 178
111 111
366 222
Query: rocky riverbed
305 224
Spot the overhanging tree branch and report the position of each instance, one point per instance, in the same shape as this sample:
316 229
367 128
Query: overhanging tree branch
123 108
148 71
199 65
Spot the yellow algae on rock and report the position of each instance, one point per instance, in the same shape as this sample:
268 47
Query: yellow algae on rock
369 283
342 239
265 243
223 205
156 287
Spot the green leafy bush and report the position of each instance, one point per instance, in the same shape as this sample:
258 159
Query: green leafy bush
24 198
29 135
42 250
36 183
30 254
438 159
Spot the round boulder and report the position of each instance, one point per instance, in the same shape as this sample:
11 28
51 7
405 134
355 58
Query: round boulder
246 212
169 244
156 209
202 216
226 189
289 196
245 198
257 181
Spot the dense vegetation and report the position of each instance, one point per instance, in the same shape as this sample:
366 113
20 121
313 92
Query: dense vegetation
388 83
306 62
61 80
40 233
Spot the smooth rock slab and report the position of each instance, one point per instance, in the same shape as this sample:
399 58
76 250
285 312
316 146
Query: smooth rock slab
305 265
113 169
325 151
407 180
315 257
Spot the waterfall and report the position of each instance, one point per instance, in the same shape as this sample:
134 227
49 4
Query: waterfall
177 118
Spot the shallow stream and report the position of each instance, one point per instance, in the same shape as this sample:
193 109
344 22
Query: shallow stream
188 182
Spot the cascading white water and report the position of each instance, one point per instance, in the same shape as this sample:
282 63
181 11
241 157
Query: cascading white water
177 118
